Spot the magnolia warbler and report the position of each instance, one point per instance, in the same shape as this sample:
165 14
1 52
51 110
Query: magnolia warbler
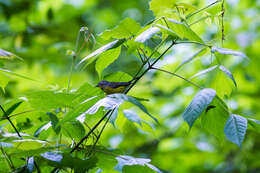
113 87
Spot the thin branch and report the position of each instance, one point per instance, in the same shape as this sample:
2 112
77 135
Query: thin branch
140 56
191 42
93 146
222 21
90 129
88 134
138 78
195 12
10 121
174 74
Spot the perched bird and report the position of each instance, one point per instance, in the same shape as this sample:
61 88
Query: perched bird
113 87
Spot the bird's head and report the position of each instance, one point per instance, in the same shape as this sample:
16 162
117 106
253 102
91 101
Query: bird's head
102 83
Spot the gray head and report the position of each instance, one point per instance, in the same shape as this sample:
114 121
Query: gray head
102 83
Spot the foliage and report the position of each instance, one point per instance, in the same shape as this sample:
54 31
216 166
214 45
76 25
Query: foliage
186 62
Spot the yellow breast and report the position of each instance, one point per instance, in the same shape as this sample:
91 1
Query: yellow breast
110 90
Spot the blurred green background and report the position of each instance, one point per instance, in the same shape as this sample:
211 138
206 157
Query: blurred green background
41 31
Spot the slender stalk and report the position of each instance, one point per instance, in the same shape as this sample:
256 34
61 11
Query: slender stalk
174 74
8 160
10 121
93 146
222 21
138 78
195 12
92 129
191 42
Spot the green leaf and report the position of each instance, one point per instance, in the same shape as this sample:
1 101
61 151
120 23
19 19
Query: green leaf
54 122
223 85
104 48
215 118
66 160
183 31
198 104
47 100
126 28
235 129
12 108
15 74
43 127
35 152
137 169
107 58
227 52
73 129
254 123
163 8
132 116
132 100
8 55
147 34
124 160
118 77
228 73
29 144
4 79
168 30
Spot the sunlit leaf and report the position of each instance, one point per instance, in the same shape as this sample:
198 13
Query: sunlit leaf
215 117
126 28
124 160
106 58
66 160
183 31
44 127
8 55
4 80
54 122
46 100
163 8
29 144
147 34
227 52
15 74
12 108
235 129
198 104
101 50
168 30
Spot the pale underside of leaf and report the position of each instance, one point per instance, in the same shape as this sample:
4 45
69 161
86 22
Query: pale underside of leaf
99 51
227 51
198 104
147 34
235 129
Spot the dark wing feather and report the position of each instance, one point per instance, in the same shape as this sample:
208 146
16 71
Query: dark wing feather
118 84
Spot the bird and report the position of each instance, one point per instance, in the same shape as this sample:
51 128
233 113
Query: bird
113 87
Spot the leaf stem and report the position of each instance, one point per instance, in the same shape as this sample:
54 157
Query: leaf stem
199 10
174 74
